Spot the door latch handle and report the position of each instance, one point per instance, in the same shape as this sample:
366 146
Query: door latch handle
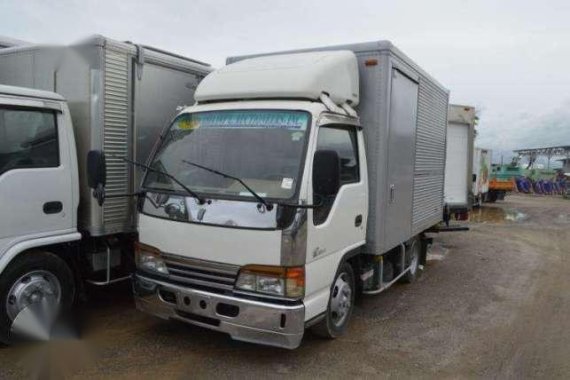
54 207
358 220
392 188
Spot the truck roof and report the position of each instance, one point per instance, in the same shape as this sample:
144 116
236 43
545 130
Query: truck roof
29 93
6 42
286 76
144 52
461 114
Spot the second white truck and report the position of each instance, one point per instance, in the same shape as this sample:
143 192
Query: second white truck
459 160
99 94
295 182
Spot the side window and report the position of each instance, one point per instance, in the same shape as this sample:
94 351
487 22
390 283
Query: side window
342 141
28 139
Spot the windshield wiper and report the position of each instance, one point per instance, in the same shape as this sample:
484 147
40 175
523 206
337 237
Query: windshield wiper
268 206
192 193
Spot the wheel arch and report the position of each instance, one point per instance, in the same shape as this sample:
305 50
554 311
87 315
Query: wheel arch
57 245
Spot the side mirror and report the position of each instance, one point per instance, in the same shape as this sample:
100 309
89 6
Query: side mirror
97 174
326 172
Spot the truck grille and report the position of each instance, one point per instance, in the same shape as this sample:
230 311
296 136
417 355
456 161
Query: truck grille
202 273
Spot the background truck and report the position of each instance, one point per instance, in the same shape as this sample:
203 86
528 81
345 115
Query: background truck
482 159
53 233
461 122
296 181
502 180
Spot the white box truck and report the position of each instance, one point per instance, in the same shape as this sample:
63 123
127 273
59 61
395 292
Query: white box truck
459 160
54 236
297 180
482 159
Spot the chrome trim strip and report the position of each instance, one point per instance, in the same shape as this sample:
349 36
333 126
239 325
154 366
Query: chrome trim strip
294 241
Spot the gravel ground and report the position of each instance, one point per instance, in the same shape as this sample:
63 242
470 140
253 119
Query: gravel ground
493 302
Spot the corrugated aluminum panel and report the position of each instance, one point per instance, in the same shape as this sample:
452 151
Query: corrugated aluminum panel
429 164
116 136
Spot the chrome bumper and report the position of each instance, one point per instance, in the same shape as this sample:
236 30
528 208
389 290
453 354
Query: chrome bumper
243 319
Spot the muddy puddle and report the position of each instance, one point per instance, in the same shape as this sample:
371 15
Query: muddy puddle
496 215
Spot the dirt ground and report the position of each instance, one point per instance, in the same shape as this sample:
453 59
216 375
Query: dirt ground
493 302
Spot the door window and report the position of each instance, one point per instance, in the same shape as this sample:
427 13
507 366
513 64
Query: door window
28 139
341 140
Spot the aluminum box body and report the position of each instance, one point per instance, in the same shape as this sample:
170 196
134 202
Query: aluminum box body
403 111
121 96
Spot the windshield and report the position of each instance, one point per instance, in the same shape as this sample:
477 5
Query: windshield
264 148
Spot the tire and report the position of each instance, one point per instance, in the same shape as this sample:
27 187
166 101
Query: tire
340 305
48 272
413 258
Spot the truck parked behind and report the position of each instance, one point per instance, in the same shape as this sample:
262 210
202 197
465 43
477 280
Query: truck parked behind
54 235
459 160
503 180
297 180
482 159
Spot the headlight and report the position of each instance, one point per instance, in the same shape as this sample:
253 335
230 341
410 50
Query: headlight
148 258
279 281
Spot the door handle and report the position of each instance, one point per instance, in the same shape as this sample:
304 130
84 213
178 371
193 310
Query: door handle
358 220
54 207
392 188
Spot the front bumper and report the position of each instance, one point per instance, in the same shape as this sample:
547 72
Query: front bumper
243 319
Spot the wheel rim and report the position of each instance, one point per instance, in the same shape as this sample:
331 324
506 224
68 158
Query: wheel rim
415 259
40 290
341 300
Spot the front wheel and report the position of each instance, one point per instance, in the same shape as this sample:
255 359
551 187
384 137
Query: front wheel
340 306
36 280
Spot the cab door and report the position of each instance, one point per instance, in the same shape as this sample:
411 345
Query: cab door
338 225
35 179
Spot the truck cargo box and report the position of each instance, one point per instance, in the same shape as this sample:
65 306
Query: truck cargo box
459 157
403 113
120 95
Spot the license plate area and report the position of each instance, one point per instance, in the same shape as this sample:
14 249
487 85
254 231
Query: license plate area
197 304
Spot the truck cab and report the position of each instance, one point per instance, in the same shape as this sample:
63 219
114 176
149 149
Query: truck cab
39 196
282 199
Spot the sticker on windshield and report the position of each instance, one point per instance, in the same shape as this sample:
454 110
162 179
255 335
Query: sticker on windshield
187 124
297 136
287 183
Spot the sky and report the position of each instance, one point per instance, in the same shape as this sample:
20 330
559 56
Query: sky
508 58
